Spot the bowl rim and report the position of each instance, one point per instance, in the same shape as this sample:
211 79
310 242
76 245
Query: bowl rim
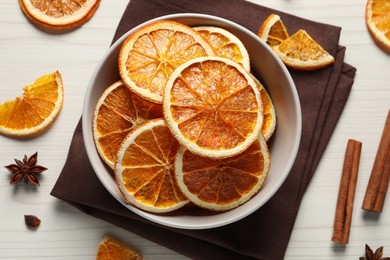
162 219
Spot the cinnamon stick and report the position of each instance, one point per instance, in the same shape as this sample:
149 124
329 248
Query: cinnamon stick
346 195
374 198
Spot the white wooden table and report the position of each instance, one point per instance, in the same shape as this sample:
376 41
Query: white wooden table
66 233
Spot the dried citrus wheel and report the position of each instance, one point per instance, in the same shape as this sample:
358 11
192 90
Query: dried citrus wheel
150 54
213 107
110 249
273 31
300 51
269 114
59 14
378 21
144 169
117 111
226 44
223 184
35 110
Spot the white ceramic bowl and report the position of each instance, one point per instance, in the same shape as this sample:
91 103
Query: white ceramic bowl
283 145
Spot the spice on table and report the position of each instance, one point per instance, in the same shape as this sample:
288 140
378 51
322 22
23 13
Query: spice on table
26 170
374 198
370 255
346 195
32 221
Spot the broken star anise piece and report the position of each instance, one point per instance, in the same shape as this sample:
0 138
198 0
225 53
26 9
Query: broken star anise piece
370 255
26 170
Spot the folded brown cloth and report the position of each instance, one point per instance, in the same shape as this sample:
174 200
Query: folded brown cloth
265 233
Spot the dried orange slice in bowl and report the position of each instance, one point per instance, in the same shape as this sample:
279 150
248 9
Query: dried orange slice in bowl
224 184
144 168
269 113
117 112
213 107
59 15
226 44
36 110
150 54
378 22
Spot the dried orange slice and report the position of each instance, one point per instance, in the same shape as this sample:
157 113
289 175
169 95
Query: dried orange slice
35 110
300 51
269 113
110 249
223 184
59 15
226 44
144 169
273 31
117 111
378 21
150 55
213 107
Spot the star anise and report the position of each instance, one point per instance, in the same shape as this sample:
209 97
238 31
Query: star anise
370 255
26 170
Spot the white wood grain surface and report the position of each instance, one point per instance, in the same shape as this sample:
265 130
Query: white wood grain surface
66 233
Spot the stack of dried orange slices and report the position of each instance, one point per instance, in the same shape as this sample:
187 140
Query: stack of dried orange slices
188 122
298 51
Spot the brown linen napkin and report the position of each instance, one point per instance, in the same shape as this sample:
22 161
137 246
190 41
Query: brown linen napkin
265 233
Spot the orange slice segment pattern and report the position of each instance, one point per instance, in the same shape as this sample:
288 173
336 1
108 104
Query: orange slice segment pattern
117 112
273 31
150 55
226 44
144 170
59 15
378 22
213 105
300 51
110 249
35 110
164 51
223 184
